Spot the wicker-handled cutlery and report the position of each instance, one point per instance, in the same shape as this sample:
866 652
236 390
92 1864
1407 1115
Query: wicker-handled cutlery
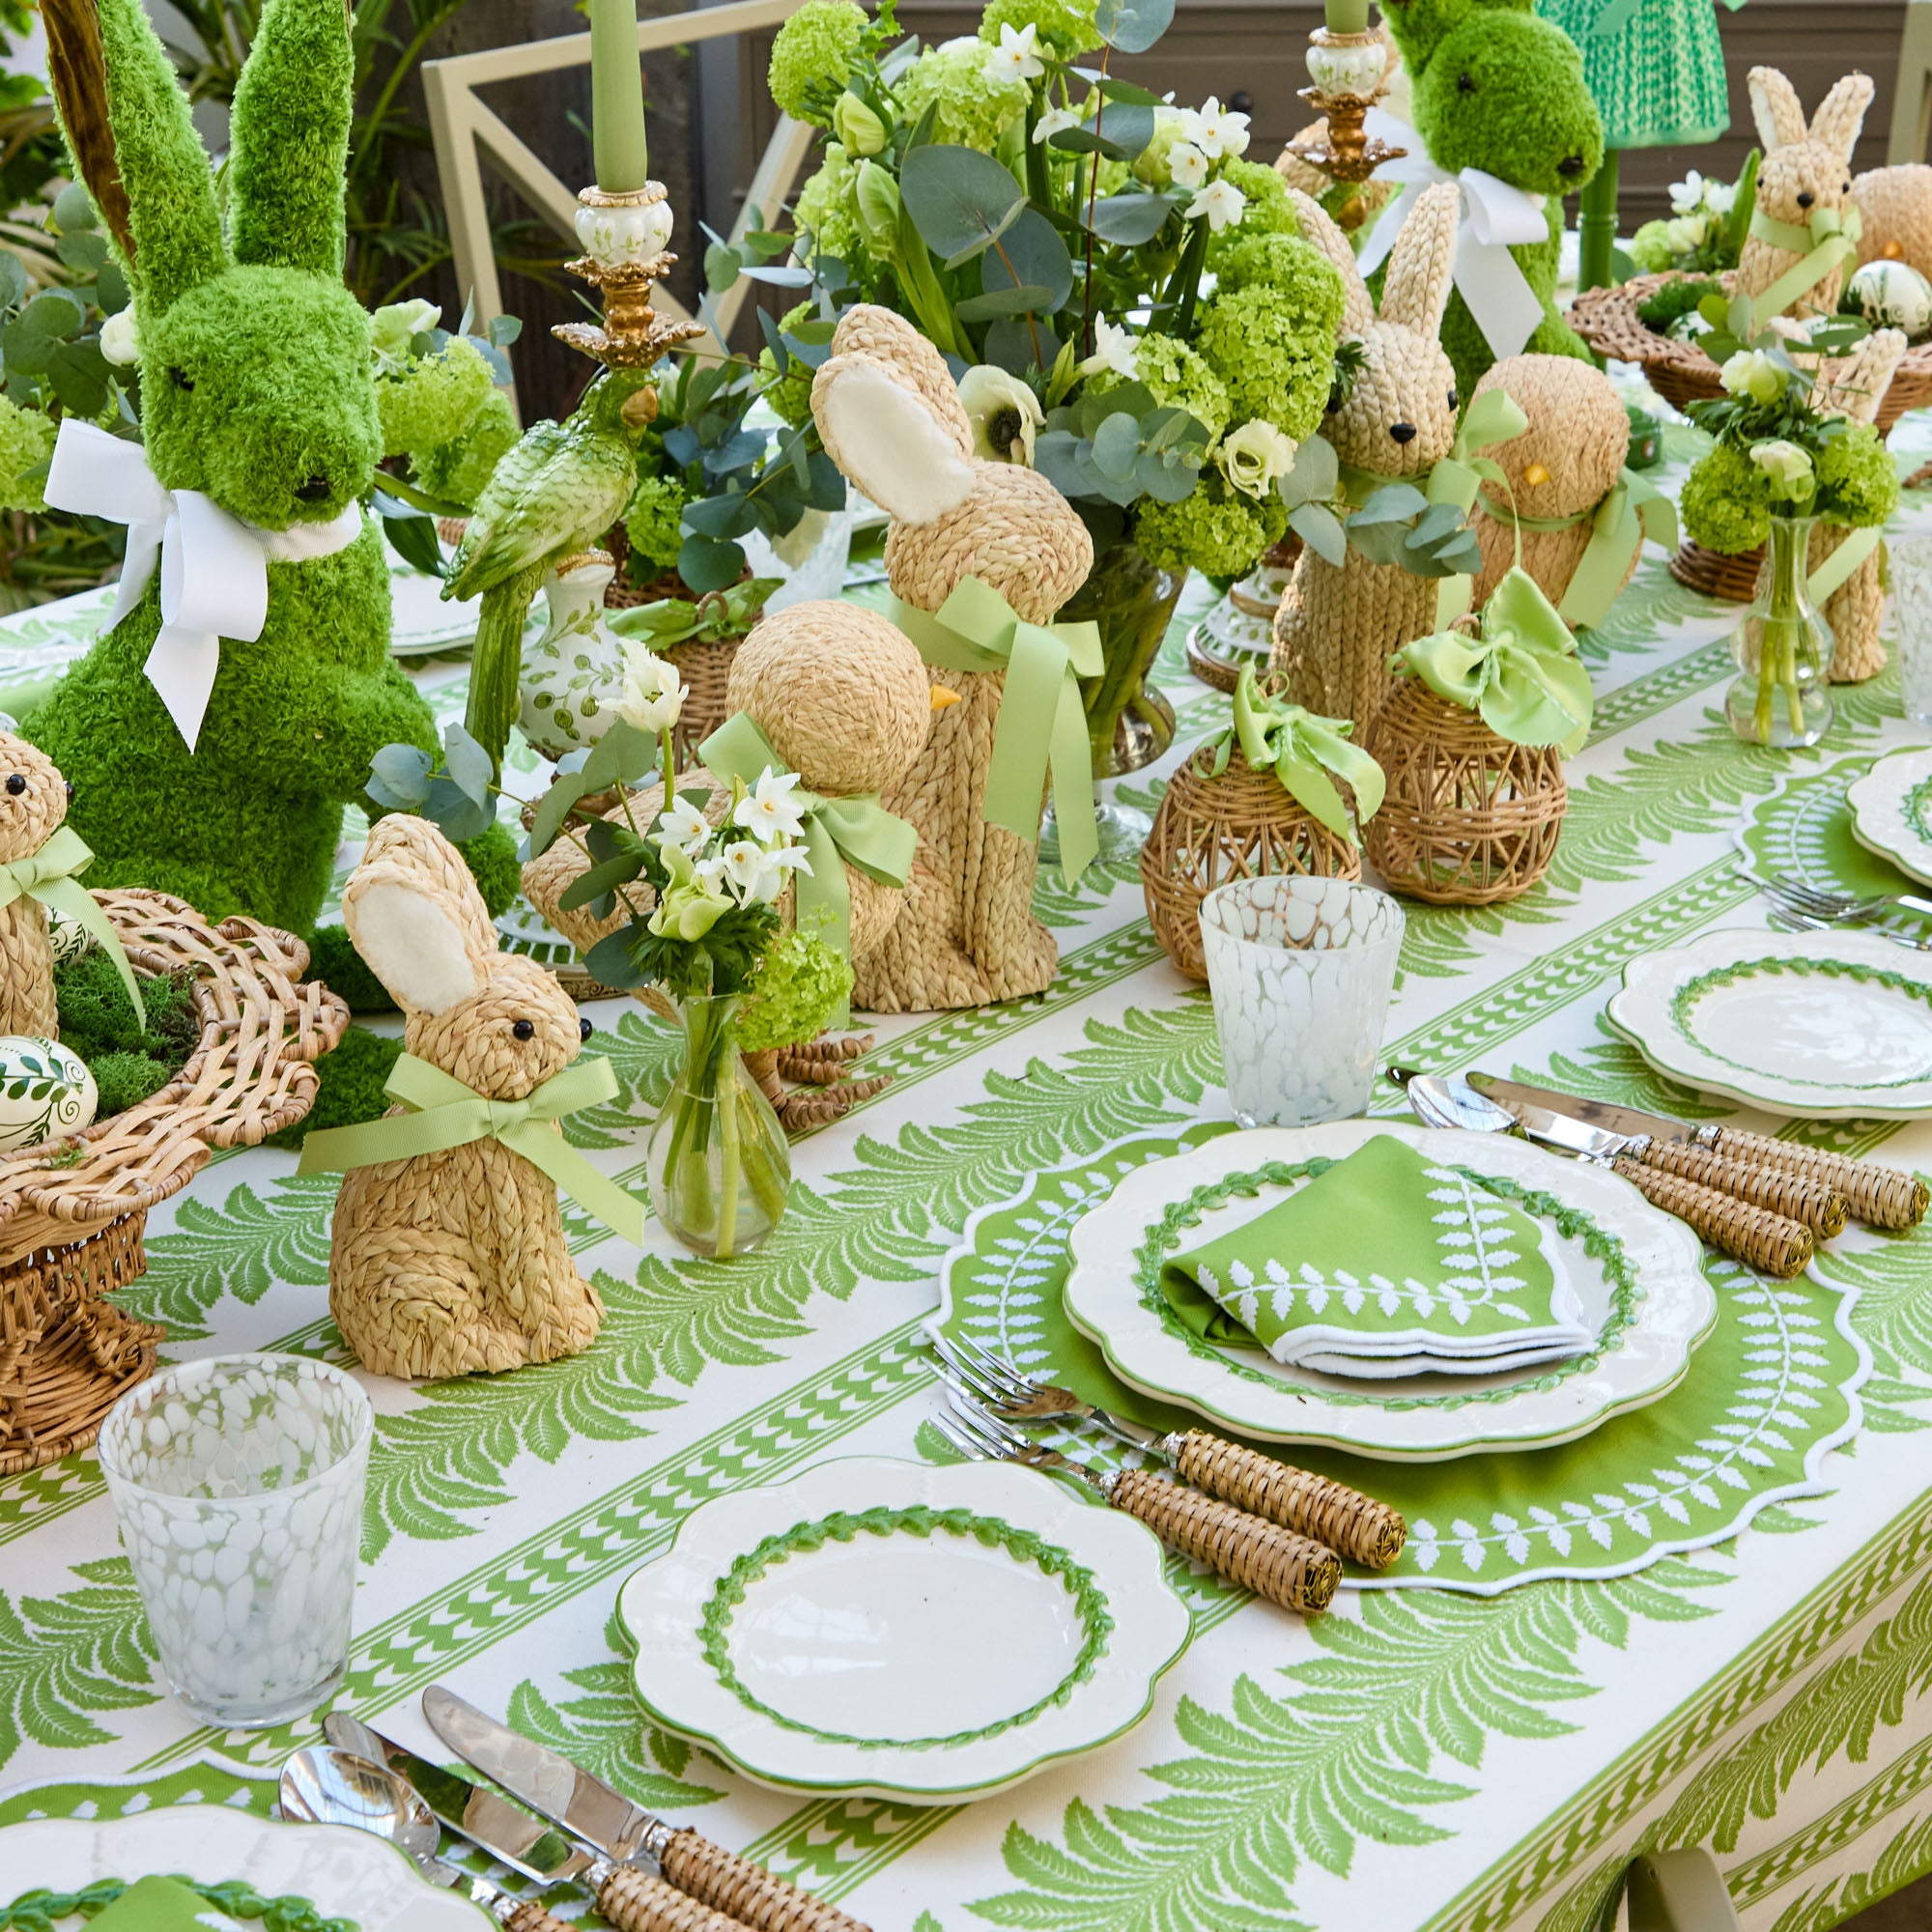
1346 1522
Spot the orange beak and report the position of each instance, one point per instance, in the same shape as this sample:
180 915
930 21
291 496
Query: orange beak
942 698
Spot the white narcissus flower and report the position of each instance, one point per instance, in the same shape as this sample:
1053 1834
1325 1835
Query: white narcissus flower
756 872
1016 57
1114 349
1788 466
652 694
1687 196
768 809
1186 165
1254 455
1219 134
1751 373
1004 414
121 338
684 826
1053 122
1221 202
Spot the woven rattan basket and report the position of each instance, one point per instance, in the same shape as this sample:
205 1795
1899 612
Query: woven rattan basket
1208 829
1734 579
71 1212
1470 817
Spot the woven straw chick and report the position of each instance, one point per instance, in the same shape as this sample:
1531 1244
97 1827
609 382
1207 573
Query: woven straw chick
891 420
33 802
1563 464
1336 627
447 1263
1896 205
1806 171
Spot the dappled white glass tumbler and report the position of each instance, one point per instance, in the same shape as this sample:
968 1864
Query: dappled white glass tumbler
238 1484
1301 971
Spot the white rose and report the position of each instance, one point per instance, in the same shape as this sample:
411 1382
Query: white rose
1751 373
1788 467
1004 414
1254 455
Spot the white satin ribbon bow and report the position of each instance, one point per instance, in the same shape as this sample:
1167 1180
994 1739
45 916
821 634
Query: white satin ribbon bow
215 577
1495 217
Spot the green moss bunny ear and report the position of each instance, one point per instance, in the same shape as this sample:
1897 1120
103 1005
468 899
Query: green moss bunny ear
289 139
152 182
1421 26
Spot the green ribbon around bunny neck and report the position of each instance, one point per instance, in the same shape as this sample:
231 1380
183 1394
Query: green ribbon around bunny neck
1042 723
1520 673
1836 572
47 876
856 830
444 1114
1633 510
1301 749
1827 242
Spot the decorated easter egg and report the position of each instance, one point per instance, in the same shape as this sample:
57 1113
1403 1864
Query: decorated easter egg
46 1091
1893 294
67 936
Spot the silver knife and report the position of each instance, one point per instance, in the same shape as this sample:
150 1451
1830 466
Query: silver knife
1632 1122
583 1804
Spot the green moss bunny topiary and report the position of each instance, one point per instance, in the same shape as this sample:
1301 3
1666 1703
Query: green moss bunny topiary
258 394
1497 87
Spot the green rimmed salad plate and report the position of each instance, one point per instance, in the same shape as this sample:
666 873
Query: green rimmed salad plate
1637 1272
1891 810
1829 1025
896 1629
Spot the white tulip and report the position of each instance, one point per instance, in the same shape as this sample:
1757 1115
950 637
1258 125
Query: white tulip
652 694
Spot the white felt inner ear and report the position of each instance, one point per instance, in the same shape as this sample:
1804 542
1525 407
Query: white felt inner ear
1774 104
885 438
413 943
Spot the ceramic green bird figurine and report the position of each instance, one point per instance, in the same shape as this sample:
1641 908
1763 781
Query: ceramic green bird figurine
558 492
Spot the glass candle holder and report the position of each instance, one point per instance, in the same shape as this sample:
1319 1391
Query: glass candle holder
1911 611
238 1485
1301 971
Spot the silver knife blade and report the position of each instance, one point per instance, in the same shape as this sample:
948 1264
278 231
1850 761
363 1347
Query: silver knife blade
1631 1122
531 1846
1551 1128
542 1778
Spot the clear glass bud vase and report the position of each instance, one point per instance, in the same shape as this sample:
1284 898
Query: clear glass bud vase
718 1162
1782 646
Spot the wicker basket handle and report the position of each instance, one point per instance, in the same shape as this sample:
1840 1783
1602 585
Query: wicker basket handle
720 1879
1348 1523
1882 1197
1287 1569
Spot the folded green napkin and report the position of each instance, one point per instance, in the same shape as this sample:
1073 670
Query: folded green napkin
1384 1265
161 1905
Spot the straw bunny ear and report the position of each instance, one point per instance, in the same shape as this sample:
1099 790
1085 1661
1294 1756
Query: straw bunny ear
414 915
1856 386
1775 108
1841 114
884 433
1422 265
289 141
1358 308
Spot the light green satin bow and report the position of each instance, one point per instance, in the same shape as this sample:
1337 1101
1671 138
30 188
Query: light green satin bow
1042 723
856 831
1520 675
1827 242
1494 416
1634 509
1836 572
446 1114
1301 749
48 877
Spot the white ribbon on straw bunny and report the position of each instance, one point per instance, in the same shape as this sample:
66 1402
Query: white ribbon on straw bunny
214 575
1495 218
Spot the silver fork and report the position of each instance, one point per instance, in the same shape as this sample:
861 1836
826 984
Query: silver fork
1832 908
1787 919
1247 1551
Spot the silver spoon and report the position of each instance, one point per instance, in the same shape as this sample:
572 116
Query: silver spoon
1453 1103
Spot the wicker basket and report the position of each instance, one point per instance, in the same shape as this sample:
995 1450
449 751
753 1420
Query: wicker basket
1208 829
1734 579
1470 817
71 1212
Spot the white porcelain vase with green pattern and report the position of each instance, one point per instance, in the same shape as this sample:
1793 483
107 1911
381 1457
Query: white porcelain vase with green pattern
572 673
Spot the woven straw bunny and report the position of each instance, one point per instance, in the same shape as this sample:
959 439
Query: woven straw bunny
33 802
1336 627
1563 464
891 420
1807 172
1896 206
447 1263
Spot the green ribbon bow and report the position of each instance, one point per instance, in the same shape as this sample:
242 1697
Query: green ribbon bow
446 1114
1828 241
1302 748
1520 675
1494 417
47 876
856 831
1633 510
1042 723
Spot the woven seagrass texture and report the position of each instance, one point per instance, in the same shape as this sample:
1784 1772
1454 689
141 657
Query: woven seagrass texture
1881 1197
1562 465
1773 1243
29 817
448 1263
747 1891
639 1901
1286 1567
1208 829
1796 1196
531 1916
1469 818
825 1091
1732 579
1896 206
1351 1524
1806 171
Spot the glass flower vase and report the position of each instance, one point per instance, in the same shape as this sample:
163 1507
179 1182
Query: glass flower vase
1782 646
717 1163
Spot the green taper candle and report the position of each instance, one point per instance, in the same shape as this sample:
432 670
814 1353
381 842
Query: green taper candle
617 97
1346 17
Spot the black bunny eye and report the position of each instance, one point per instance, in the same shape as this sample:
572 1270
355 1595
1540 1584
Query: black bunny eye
181 379
1455 401
1465 84
584 1029
525 1030
15 784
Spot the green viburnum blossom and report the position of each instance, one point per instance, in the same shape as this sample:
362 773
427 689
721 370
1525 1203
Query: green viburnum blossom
651 522
1217 531
1066 26
1274 346
975 107
457 470
1726 501
799 986
811 54
1180 379
827 209
432 401
1858 482
26 441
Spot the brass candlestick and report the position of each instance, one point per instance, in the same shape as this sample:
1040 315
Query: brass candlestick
624 238
1350 73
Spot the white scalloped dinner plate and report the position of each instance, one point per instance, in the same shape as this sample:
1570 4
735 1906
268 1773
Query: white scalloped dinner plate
1891 810
343 1873
830 1635
1643 1294
1829 1025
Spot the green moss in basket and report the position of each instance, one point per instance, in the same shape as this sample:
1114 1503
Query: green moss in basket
1673 301
351 1086
97 1021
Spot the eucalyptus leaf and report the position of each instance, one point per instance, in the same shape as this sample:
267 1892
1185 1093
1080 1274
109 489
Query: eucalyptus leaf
1380 542
1133 25
399 777
73 211
722 266
1127 220
466 762
706 564
1117 447
960 200
13 282
610 963
1124 130
1025 301
453 812
1393 503
1313 477
1031 253
721 516
621 756
1321 530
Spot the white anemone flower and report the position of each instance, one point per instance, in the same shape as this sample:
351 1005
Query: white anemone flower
768 811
